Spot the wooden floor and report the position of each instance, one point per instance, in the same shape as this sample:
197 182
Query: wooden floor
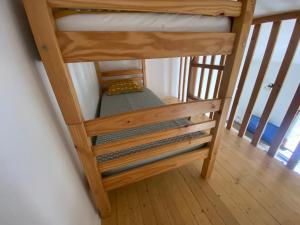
247 187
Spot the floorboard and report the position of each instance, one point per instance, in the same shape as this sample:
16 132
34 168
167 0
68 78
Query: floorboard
247 187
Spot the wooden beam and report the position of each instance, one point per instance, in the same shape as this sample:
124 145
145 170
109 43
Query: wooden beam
41 23
101 46
219 77
241 26
286 122
260 77
134 175
287 60
208 66
201 77
144 72
185 75
210 72
294 158
149 116
122 72
192 77
180 78
243 76
154 152
147 138
203 7
83 146
277 17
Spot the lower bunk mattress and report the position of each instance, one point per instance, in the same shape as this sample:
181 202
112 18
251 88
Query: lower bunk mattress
116 104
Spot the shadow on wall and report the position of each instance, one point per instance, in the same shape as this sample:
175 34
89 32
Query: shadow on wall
43 83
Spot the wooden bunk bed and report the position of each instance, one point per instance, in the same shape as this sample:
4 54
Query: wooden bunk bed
58 47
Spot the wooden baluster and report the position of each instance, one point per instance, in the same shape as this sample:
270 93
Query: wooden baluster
294 158
210 73
260 77
287 60
180 78
244 74
286 122
201 77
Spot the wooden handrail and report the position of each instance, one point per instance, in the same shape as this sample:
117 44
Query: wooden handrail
277 17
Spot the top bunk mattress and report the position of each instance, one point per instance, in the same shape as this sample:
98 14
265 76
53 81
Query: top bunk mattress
160 22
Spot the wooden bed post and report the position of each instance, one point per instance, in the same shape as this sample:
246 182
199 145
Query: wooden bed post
42 25
144 72
241 26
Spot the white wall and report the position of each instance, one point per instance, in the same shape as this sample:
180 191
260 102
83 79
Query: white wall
290 84
162 76
40 179
87 87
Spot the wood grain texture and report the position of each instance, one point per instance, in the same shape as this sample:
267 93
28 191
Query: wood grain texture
285 65
246 188
147 138
243 76
203 7
192 76
154 152
161 166
286 123
210 73
241 26
41 23
144 73
185 77
101 46
201 77
149 116
277 17
260 77
83 146
219 77
180 78
208 66
121 72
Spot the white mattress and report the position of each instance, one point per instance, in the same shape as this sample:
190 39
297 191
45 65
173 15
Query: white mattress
143 22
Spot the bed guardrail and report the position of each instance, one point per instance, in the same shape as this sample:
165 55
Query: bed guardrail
201 7
138 118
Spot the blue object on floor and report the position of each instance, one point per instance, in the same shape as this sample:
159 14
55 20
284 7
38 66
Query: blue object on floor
270 130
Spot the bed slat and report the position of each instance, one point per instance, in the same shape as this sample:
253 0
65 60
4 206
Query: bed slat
203 7
152 169
101 46
154 152
114 73
147 138
138 118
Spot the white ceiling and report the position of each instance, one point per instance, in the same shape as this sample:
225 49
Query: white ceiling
270 7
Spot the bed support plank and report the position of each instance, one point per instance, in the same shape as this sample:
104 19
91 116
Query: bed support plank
203 7
106 148
100 46
154 152
149 116
152 169
114 73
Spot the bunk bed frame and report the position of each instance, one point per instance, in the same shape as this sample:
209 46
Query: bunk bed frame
58 48
108 76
